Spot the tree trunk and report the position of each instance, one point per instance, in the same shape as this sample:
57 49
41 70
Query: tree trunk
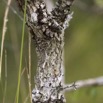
47 30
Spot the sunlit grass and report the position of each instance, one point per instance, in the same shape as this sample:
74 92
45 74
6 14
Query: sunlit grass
21 54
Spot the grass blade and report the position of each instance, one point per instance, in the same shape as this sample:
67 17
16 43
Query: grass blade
21 55
3 34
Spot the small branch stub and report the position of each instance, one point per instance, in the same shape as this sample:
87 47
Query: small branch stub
47 29
85 83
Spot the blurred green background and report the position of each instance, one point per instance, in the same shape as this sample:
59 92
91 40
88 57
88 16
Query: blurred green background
83 52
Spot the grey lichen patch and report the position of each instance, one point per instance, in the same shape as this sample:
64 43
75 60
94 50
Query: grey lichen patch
51 91
34 17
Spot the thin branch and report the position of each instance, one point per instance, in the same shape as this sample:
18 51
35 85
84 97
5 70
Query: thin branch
85 83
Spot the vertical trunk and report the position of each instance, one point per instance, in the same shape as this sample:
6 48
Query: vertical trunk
49 71
47 29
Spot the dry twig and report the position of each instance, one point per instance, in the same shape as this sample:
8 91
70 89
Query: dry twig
85 83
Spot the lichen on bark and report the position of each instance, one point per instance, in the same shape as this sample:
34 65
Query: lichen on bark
47 29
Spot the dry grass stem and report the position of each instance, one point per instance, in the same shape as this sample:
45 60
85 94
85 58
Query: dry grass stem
29 74
3 33
5 86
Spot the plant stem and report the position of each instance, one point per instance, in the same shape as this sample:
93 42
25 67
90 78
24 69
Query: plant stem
21 54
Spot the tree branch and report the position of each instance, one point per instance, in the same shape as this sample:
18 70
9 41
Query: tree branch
85 83
61 11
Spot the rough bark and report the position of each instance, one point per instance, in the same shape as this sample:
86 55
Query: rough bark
47 29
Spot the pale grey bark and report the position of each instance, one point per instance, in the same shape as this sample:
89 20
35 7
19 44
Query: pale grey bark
47 29
49 5
85 83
